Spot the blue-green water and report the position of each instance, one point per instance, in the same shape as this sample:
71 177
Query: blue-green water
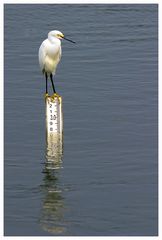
108 181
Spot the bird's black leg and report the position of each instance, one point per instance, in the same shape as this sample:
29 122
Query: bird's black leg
46 83
51 77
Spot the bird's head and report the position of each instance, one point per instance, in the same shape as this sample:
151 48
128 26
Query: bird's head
59 35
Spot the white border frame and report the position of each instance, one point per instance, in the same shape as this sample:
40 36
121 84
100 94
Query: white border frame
2 2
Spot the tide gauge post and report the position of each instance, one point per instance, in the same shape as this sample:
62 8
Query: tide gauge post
54 127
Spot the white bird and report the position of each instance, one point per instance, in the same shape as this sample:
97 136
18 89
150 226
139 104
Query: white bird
50 55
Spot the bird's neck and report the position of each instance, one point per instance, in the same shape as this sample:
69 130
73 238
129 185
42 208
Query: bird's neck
54 40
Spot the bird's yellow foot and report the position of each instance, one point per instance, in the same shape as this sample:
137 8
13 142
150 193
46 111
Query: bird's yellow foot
46 95
56 95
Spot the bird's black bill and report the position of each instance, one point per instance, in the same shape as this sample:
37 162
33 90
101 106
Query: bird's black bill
68 40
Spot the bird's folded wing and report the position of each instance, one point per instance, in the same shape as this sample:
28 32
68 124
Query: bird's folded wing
42 56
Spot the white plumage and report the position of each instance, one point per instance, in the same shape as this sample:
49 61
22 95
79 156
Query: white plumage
50 54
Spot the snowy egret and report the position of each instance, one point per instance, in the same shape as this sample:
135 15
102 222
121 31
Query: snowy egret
50 55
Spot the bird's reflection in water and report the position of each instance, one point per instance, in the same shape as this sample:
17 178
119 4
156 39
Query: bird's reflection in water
52 216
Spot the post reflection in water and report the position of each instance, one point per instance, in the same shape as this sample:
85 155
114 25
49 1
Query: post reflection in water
52 214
